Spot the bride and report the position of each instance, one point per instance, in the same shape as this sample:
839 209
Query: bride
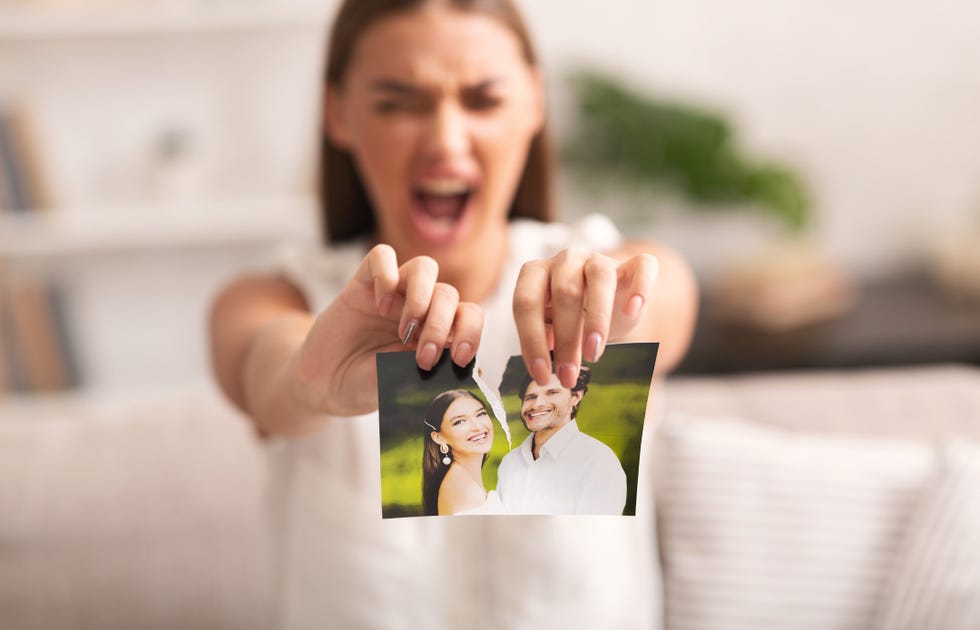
458 437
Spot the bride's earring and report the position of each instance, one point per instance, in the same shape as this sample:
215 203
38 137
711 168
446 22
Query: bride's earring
444 449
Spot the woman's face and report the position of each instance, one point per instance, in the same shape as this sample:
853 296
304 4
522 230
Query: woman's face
438 109
467 427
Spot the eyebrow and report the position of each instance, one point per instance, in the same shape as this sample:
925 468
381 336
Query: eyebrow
391 85
400 87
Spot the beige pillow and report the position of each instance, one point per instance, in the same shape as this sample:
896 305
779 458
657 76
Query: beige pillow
762 528
936 580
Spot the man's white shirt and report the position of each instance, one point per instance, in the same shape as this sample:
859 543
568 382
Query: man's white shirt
574 474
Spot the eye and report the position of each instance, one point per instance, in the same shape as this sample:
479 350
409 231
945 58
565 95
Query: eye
458 421
481 414
482 101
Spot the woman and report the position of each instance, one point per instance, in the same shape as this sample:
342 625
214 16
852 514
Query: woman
458 437
435 150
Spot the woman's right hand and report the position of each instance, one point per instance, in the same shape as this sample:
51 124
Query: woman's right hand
384 307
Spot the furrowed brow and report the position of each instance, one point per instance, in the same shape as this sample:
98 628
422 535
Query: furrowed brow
393 86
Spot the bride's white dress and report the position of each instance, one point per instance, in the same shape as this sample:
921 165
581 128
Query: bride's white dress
493 505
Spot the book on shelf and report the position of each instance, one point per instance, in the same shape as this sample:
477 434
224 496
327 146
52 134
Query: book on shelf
36 349
23 185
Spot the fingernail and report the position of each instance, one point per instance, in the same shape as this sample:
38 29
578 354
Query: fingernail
593 346
408 332
384 304
540 371
464 354
427 357
568 374
634 307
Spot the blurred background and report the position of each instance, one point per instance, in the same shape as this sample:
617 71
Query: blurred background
819 165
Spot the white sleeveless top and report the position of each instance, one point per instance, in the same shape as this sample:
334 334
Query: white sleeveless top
343 566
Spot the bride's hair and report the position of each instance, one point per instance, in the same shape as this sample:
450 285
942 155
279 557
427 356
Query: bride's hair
433 470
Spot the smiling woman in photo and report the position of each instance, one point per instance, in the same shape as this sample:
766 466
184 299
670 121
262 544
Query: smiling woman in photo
458 438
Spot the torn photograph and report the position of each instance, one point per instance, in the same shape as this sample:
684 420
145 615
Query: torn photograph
452 444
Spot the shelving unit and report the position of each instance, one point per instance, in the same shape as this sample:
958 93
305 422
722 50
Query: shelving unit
138 263
64 234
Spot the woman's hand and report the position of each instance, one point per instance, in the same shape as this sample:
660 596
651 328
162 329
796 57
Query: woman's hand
384 307
575 303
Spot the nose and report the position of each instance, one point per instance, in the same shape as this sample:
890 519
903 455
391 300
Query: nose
449 135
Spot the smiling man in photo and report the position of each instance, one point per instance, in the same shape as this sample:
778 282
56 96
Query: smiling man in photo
558 469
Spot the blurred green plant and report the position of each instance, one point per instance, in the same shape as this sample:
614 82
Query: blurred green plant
628 137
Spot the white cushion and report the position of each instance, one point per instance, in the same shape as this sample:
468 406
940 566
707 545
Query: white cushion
146 512
936 581
762 528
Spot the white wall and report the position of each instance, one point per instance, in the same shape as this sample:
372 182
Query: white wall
874 100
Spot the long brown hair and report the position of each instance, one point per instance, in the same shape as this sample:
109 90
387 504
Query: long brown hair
347 210
433 470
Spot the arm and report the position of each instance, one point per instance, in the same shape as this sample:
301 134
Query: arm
256 324
289 370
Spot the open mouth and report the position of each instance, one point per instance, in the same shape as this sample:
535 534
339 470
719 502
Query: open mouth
479 438
439 208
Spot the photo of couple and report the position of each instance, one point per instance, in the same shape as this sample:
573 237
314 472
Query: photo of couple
452 445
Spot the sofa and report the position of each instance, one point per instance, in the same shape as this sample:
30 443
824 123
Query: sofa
807 500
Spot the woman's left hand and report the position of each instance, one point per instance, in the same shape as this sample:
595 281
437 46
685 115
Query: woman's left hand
576 302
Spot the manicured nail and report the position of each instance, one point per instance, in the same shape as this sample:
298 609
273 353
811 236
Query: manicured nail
568 374
593 346
408 332
540 371
427 357
464 354
634 307
384 304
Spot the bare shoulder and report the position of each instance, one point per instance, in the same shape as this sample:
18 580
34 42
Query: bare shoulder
459 492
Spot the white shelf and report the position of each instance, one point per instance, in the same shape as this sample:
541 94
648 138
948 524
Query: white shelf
64 233
37 21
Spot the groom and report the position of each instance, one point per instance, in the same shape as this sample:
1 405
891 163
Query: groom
558 469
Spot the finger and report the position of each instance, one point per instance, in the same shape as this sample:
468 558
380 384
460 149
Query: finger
417 280
380 270
467 328
600 296
434 335
530 296
637 277
568 299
